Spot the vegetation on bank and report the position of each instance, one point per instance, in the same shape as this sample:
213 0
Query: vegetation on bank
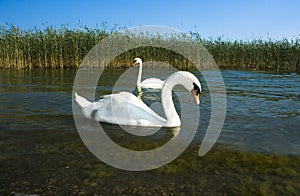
65 48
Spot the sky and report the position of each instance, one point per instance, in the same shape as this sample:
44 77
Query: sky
230 19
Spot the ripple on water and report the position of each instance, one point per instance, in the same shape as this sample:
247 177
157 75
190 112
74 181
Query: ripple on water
262 109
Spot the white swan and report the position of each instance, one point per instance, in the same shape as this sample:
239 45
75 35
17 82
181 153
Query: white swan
124 108
149 82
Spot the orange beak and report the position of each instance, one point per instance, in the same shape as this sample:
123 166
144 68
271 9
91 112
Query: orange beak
196 96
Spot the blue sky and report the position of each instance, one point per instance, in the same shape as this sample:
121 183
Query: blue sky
232 19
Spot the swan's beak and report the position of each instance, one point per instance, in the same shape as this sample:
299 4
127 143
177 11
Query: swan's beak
134 63
196 96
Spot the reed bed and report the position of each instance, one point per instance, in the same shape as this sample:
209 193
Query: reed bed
64 47
49 48
258 54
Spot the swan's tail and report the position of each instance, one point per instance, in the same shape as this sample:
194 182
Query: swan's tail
86 106
82 102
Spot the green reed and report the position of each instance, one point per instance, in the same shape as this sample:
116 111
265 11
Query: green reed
64 47
49 48
258 54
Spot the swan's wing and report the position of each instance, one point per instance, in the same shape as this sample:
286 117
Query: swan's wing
126 109
152 83
122 108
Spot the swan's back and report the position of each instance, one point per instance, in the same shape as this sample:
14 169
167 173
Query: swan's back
124 109
151 83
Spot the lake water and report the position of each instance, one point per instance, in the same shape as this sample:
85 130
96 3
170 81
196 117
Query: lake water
41 151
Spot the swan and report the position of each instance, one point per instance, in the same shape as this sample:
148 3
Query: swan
147 83
124 108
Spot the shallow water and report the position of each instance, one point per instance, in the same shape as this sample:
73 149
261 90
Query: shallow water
41 151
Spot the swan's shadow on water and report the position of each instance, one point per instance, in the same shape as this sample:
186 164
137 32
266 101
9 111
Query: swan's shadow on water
125 139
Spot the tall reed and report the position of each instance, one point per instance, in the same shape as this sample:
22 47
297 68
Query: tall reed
49 48
63 47
265 55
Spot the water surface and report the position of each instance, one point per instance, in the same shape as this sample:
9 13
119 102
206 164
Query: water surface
41 151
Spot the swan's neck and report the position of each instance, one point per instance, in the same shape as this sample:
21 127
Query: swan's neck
172 117
139 78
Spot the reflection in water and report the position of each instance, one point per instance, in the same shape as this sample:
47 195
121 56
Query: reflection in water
139 92
175 131
132 133
148 94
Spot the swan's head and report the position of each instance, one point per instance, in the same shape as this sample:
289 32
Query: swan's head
187 80
137 61
192 84
196 93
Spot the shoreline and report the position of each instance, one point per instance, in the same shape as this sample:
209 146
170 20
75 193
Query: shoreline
124 67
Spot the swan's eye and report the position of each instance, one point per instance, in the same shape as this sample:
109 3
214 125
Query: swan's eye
196 88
